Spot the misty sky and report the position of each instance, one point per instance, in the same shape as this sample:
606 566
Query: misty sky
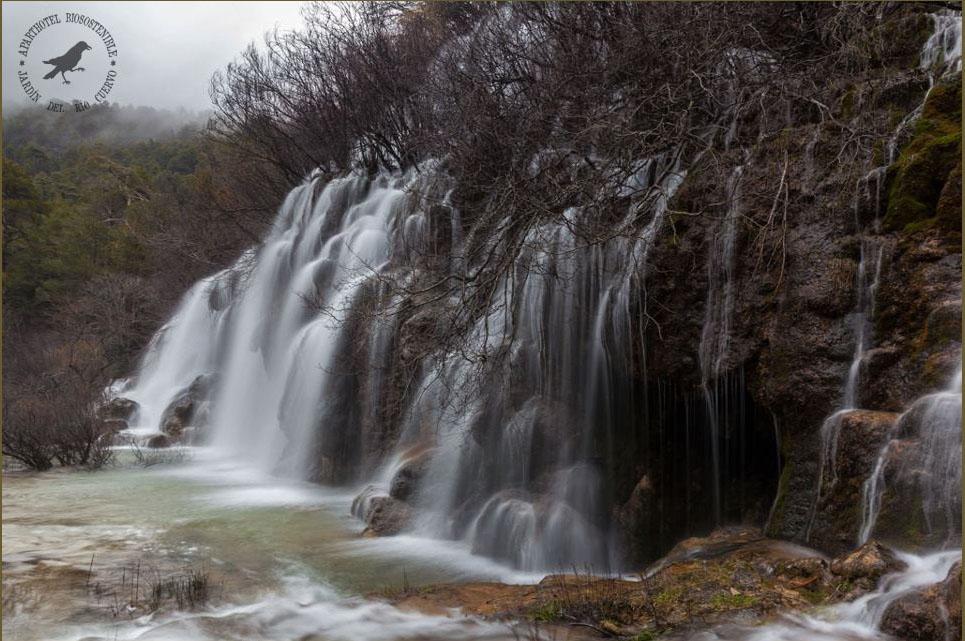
166 51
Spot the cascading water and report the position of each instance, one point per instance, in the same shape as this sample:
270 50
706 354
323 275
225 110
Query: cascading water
716 329
279 332
495 479
858 620
941 55
259 326
934 472
515 453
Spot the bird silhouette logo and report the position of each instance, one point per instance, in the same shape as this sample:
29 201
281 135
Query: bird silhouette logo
67 62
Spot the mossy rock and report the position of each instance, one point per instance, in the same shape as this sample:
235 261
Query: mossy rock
901 521
780 501
919 176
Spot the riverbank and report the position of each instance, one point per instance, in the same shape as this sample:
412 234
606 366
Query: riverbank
734 584
208 551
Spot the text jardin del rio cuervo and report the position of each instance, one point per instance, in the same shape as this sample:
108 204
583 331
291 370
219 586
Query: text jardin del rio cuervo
63 63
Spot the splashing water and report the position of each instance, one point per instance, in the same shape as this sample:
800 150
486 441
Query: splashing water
936 419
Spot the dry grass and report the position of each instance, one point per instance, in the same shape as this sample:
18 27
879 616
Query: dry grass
141 590
186 591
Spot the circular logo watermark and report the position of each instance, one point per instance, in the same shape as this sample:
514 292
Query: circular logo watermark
67 62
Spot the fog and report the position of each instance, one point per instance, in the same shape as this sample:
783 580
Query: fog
166 51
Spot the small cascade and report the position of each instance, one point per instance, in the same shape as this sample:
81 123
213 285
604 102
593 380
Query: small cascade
179 352
858 620
941 55
931 468
715 335
867 280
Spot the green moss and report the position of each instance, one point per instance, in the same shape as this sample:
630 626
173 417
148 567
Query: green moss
816 596
920 225
548 611
918 175
731 601
645 635
669 596
901 521
783 484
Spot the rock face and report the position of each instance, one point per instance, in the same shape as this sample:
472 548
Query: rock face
855 439
933 613
115 416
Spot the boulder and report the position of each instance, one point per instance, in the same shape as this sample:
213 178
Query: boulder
867 564
406 480
113 425
632 515
186 406
159 441
119 408
932 613
382 514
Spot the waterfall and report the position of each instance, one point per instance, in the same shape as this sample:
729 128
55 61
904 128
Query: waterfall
273 326
516 445
940 56
514 434
936 476
715 335
943 49
187 346
518 470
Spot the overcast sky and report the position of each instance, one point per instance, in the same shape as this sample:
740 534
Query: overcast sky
166 51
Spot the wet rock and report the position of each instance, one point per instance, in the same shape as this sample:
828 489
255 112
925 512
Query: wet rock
113 425
119 408
831 293
406 480
867 564
386 516
933 613
382 514
159 441
719 542
182 412
633 514
803 571
859 436
727 577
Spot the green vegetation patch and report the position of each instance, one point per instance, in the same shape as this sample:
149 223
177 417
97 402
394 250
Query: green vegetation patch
732 601
925 165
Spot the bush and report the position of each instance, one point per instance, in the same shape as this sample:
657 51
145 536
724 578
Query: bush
50 407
